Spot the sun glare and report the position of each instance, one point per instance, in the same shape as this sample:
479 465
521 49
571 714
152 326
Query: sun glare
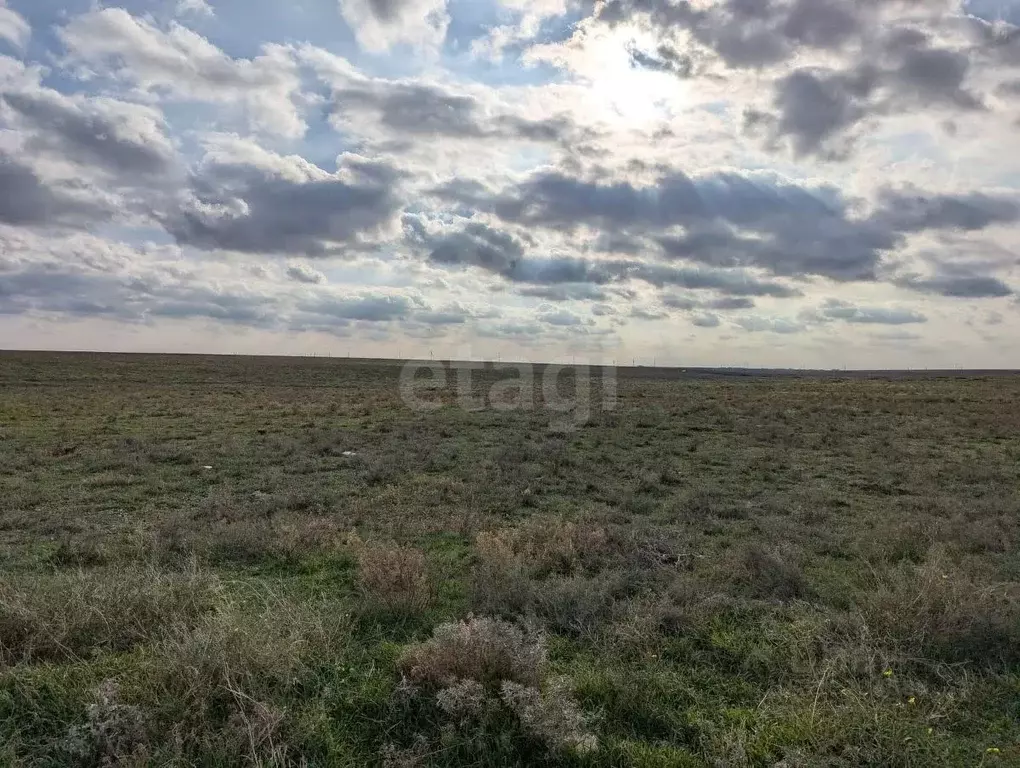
627 94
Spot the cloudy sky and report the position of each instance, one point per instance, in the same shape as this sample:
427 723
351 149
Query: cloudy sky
809 183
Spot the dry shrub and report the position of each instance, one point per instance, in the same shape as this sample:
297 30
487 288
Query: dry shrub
579 606
68 615
312 535
114 733
769 574
463 701
221 677
80 551
485 650
244 540
551 716
416 756
483 670
395 578
546 547
937 609
510 561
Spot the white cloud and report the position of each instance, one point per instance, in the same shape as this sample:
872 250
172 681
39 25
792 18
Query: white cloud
183 65
619 206
196 7
379 25
13 28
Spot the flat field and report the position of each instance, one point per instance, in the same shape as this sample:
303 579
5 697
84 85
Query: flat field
238 561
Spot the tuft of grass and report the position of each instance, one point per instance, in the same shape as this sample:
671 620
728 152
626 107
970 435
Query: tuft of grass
395 578
114 733
769 574
488 651
67 616
937 611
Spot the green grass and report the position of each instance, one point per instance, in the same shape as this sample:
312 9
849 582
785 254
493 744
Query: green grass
722 571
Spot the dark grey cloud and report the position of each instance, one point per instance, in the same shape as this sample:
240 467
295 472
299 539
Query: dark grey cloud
443 317
960 286
373 309
727 221
413 108
685 303
516 331
63 288
562 318
817 108
420 109
302 273
730 282
127 288
731 303
564 292
813 107
387 11
706 320
1009 88
911 210
666 58
689 303
751 33
479 245
26 200
732 219
888 58
933 75
244 208
763 324
850 313
997 40
640 313
91 132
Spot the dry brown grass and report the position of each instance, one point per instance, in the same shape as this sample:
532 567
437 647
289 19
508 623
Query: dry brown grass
72 615
545 547
485 650
937 610
395 578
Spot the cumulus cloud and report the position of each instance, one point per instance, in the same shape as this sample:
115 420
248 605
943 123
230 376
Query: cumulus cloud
912 210
706 320
602 205
120 137
834 309
28 200
403 110
302 273
833 65
765 324
86 276
196 7
287 207
731 219
381 24
501 253
958 286
180 64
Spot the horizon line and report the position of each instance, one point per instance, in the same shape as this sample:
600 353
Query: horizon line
510 362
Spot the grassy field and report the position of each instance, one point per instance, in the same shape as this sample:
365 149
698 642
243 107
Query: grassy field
237 561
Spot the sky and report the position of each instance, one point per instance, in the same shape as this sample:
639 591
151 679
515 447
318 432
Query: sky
777 183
